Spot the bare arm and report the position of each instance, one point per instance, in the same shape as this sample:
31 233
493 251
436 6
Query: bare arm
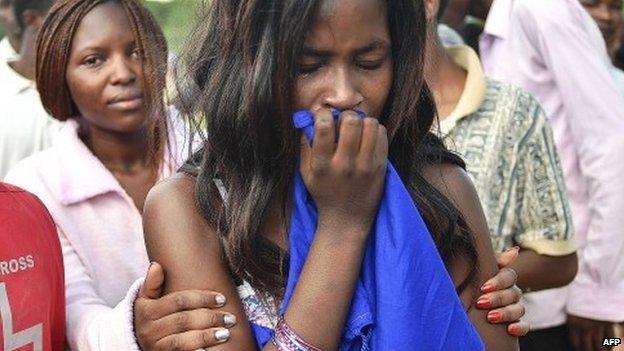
532 275
178 237
453 182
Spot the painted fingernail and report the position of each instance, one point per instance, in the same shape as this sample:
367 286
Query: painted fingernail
220 300
487 288
516 248
229 320
494 317
484 303
222 335
514 329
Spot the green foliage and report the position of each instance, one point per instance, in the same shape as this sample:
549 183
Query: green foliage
176 18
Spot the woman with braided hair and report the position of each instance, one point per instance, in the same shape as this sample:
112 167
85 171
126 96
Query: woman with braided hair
101 68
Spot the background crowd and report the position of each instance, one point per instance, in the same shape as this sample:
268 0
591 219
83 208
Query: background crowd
529 93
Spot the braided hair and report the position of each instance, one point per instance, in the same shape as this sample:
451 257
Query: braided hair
54 45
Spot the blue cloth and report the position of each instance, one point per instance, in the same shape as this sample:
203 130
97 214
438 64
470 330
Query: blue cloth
404 298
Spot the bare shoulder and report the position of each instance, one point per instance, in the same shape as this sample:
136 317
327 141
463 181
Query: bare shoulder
168 199
178 236
177 188
453 182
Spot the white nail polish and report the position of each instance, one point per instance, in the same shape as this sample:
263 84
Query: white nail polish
222 334
229 320
220 299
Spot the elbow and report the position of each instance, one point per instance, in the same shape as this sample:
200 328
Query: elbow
565 268
572 268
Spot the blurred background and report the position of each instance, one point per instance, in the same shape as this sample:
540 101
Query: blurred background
175 16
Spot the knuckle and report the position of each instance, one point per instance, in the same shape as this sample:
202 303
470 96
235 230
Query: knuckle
214 319
181 301
382 130
142 311
208 300
345 169
517 293
512 273
497 299
319 165
322 128
182 320
370 122
205 338
174 343
352 121
365 169
143 334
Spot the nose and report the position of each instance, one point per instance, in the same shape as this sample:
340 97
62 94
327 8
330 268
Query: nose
124 72
343 92
603 12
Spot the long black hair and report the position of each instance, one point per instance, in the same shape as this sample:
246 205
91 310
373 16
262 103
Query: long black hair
238 72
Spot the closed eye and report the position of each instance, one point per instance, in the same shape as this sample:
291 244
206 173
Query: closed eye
369 65
308 69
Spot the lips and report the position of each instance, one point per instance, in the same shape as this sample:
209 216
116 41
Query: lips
126 102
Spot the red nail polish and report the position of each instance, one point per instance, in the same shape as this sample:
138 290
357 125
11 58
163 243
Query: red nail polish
494 317
487 288
514 329
484 303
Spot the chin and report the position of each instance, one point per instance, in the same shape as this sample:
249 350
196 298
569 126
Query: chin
129 122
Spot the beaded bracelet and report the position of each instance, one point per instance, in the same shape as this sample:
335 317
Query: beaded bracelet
286 339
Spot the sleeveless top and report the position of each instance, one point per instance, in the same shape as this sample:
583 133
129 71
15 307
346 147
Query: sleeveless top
260 309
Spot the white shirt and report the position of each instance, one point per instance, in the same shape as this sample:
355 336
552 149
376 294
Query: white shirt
553 49
7 53
25 127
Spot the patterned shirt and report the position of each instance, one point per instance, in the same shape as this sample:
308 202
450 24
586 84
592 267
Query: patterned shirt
503 135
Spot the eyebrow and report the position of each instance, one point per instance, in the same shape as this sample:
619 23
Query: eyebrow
374 45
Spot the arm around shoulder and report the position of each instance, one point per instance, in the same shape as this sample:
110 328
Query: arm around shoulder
179 238
454 183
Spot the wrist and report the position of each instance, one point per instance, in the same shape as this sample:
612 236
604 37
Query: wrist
342 228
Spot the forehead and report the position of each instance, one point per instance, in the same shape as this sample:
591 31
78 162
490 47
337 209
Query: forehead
349 22
105 23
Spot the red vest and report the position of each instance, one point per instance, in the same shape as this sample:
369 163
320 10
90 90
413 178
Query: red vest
32 291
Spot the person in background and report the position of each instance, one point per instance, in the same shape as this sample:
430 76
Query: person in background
608 17
101 68
10 44
32 291
503 135
467 18
25 127
549 49
618 58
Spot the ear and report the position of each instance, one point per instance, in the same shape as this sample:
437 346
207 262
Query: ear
431 9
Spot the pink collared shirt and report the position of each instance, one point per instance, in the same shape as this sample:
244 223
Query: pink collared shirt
101 235
548 47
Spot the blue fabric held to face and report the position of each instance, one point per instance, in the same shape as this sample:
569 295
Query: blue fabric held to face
404 298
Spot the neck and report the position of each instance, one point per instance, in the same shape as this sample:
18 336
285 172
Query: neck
119 152
446 79
25 66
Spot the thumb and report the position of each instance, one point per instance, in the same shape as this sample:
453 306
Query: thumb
506 258
153 284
